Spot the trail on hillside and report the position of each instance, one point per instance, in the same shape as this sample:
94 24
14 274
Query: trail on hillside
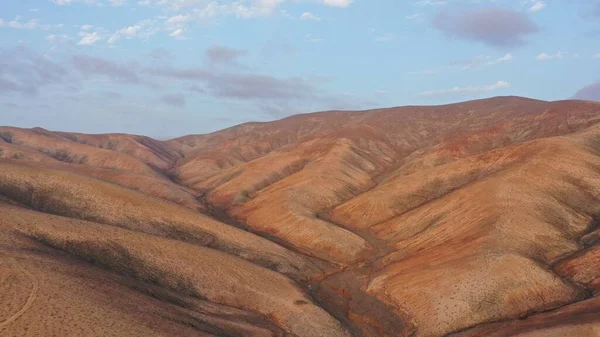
30 299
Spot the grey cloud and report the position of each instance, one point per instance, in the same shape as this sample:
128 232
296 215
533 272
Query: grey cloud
594 11
98 66
224 55
273 95
498 27
240 85
244 86
197 89
251 86
176 100
284 108
277 109
112 95
24 71
6 85
590 92
190 74
10 105
276 47
161 55
73 98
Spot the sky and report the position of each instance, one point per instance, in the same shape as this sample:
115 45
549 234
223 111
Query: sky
166 68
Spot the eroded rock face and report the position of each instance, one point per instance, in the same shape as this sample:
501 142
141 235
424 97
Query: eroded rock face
473 219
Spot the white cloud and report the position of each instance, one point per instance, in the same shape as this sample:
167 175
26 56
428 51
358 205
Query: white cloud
505 58
385 38
100 3
597 56
54 38
477 62
178 34
142 30
178 20
204 9
182 13
381 92
185 12
537 6
337 3
481 61
312 39
130 31
547 57
31 24
127 33
468 90
286 14
414 16
89 38
430 3
309 16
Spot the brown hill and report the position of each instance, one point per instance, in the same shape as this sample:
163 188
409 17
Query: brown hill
473 219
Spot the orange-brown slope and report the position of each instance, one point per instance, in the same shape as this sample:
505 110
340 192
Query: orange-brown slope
61 149
170 287
439 193
80 197
154 186
578 319
407 129
434 219
155 153
290 187
482 252
131 161
380 204
282 193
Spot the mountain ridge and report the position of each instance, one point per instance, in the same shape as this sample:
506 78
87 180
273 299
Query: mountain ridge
405 221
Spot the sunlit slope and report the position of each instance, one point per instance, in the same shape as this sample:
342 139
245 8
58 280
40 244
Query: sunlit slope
80 197
196 290
470 219
65 150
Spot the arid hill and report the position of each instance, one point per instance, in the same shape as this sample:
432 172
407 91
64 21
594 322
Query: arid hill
471 219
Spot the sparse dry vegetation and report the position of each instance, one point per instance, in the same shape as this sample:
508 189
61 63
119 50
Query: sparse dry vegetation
419 222
66 156
7 136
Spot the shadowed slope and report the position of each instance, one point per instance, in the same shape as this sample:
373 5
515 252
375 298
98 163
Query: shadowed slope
407 129
481 253
477 218
84 198
150 151
246 299
64 150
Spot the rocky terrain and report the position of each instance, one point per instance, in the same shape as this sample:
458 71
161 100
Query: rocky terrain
472 219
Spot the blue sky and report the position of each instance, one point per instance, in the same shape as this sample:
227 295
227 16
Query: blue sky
168 68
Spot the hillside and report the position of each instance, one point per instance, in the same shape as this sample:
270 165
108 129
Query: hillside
471 219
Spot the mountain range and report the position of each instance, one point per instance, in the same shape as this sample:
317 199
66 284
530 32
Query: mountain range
472 219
